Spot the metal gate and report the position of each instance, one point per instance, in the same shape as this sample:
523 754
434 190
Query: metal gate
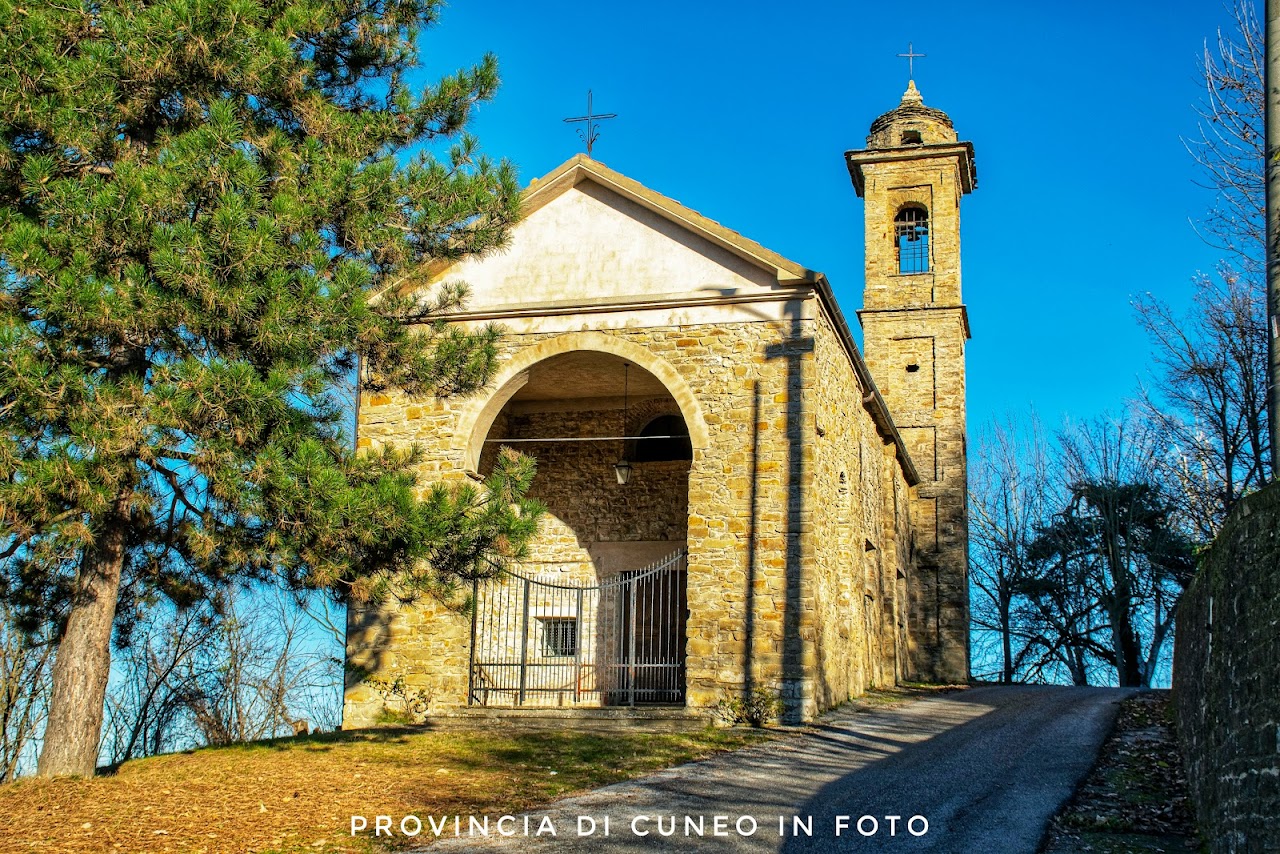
617 643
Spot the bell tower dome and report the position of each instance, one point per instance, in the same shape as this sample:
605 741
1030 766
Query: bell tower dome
912 175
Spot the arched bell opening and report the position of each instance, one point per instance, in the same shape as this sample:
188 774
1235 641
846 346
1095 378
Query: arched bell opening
911 239
596 614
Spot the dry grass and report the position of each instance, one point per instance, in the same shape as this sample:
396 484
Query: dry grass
299 794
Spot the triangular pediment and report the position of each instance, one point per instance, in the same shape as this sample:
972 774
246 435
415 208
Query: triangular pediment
591 235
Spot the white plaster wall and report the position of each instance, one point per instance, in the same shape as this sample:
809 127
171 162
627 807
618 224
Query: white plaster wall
591 244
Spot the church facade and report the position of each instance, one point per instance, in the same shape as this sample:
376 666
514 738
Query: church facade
738 500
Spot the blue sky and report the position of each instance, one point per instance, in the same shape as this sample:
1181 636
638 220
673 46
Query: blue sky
743 110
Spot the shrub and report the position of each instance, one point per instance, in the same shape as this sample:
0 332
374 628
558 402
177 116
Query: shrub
761 707
408 705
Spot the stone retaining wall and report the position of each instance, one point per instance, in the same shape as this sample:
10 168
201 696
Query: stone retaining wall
1226 678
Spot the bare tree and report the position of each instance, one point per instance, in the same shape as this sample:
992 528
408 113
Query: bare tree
1123 532
1010 497
25 661
1211 379
1031 596
1058 614
319 656
1078 552
1209 396
262 676
155 683
259 665
1231 149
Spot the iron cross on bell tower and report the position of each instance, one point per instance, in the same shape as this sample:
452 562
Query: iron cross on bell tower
911 56
592 131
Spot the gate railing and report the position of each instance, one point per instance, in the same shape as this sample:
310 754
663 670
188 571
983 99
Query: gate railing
618 642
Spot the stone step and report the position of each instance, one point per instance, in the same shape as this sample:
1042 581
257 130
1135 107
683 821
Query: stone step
651 718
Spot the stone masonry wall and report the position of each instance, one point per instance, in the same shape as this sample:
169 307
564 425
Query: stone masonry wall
856 643
652 508
752 520
908 562
914 329
1226 680
748 380
932 421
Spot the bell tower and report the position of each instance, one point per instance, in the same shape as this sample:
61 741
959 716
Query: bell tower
913 174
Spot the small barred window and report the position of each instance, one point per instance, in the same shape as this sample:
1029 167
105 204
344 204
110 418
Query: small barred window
559 636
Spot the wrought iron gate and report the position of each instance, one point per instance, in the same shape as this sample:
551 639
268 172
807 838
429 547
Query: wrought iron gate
617 643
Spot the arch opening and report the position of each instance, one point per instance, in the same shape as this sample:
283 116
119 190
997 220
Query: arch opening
578 413
911 239
478 416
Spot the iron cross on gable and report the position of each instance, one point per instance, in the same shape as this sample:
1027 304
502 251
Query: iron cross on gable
911 56
592 131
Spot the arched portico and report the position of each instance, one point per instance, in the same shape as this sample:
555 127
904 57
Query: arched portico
596 613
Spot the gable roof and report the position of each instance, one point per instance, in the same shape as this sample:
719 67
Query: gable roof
581 168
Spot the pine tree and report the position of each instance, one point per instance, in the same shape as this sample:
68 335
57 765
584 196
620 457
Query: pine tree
207 219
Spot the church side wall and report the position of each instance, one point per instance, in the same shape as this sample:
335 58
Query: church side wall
859 544
905 570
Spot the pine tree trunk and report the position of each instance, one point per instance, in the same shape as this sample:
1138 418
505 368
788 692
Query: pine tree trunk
83 664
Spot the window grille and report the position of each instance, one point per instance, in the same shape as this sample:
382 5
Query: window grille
559 636
911 240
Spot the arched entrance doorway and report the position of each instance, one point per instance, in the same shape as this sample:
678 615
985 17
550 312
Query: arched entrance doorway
596 614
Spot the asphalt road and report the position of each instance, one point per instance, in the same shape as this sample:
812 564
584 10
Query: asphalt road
985 768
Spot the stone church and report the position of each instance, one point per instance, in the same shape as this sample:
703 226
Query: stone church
737 497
